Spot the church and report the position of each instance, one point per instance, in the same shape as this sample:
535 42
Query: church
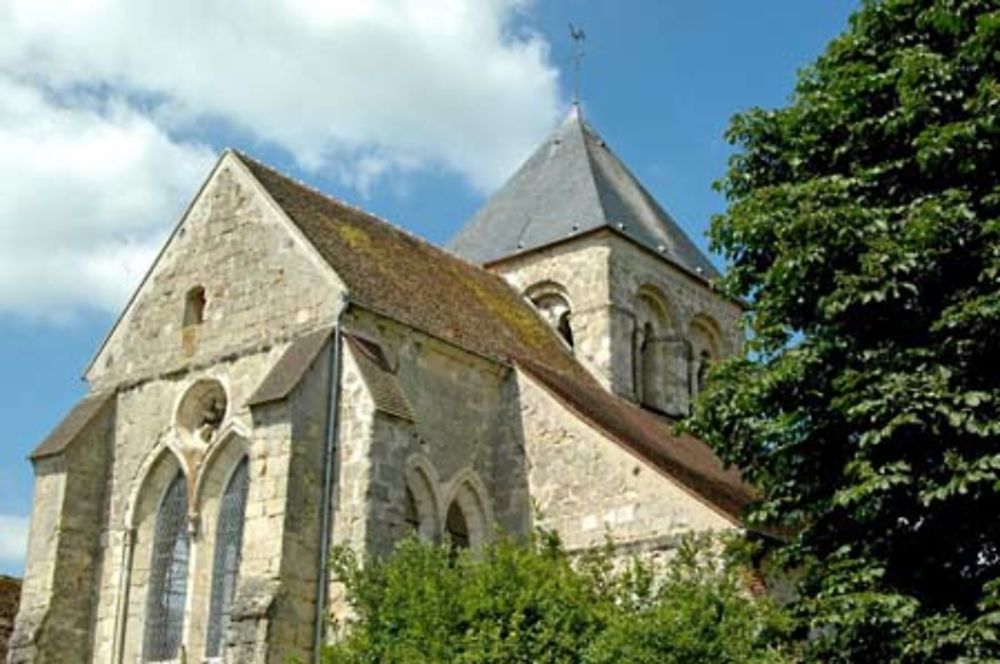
294 374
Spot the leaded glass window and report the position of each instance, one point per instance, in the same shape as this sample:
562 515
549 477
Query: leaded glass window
168 576
226 563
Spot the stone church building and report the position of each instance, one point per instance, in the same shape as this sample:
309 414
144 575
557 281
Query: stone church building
295 374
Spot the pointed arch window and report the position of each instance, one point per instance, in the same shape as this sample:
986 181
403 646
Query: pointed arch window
457 527
227 557
168 572
411 514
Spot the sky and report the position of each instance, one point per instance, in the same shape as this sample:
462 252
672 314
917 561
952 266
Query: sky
113 111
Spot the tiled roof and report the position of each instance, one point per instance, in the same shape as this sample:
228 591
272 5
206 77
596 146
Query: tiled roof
379 377
573 184
290 367
394 273
72 425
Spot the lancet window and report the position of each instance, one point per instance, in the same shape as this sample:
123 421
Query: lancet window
167 595
226 562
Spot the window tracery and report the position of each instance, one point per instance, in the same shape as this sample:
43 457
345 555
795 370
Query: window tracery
167 594
227 556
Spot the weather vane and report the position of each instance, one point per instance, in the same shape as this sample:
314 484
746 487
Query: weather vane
578 35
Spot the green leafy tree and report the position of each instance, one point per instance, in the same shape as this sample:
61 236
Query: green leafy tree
530 602
863 230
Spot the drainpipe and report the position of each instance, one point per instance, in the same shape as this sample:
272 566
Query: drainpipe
124 581
329 459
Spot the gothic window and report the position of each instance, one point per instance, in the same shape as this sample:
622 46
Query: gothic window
226 563
456 527
411 515
194 306
168 572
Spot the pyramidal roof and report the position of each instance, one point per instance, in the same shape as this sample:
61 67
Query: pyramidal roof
572 184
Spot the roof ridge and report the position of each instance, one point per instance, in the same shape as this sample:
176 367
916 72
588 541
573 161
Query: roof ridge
591 167
338 201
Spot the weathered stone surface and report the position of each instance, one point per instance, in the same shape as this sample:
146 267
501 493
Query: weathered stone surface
588 488
438 430
604 276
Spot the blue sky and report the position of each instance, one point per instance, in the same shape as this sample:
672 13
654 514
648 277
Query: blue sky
111 111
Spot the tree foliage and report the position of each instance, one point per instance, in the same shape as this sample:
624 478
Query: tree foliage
530 602
863 230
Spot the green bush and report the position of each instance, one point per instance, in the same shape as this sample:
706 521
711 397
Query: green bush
531 602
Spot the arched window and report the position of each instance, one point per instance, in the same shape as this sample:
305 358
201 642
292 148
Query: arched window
649 374
564 329
411 515
456 527
226 563
194 306
653 352
706 345
704 364
550 300
168 572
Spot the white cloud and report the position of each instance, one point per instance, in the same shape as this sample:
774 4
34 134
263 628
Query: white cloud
13 539
439 81
100 99
87 195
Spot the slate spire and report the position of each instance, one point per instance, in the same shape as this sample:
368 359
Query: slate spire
572 184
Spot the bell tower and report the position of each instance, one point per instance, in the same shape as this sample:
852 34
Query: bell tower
576 233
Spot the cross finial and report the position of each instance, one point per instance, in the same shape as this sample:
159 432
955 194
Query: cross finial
578 35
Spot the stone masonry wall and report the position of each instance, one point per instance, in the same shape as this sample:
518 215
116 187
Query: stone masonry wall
581 268
459 402
603 275
57 605
261 282
688 299
262 287
587 487
145 427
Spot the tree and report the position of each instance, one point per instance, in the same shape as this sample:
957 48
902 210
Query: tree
531 602
863 231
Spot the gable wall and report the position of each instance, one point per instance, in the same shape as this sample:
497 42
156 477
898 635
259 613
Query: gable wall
261 281
587 487
462 405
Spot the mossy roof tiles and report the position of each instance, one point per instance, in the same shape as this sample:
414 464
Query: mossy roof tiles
403 277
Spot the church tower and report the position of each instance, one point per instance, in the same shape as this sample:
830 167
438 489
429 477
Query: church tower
582 239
